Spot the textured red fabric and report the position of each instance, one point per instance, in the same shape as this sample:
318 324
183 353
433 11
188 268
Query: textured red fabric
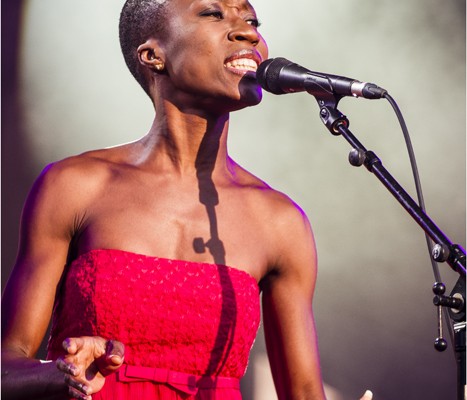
182 316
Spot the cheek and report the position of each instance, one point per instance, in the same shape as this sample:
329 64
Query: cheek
189 54
191 72
263 48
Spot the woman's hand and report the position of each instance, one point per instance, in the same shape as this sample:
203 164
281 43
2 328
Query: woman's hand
88 360
367 395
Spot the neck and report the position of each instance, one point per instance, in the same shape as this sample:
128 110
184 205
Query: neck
186 142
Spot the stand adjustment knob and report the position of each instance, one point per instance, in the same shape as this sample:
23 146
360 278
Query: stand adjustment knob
440 252
357 157
439 288
441 344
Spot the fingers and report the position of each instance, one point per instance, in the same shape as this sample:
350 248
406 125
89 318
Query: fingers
66 367
115 352
106 355
77 390
94 345
86 362
77 395
368 395
71 345
114 356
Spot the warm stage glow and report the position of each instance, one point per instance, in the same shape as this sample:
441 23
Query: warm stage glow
373 309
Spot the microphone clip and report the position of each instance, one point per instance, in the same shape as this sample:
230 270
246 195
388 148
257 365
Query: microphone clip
331 116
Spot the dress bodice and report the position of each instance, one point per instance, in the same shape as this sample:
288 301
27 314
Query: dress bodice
190 317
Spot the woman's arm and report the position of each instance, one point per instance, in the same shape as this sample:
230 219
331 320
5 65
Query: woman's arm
289 327
287 310
47 226
26 378
29 295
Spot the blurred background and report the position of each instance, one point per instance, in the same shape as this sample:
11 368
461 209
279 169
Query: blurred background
65 89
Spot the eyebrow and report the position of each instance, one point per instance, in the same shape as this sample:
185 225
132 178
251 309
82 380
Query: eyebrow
245 5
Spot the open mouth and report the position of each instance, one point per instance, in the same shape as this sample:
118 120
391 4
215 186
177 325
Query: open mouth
242 65
243 62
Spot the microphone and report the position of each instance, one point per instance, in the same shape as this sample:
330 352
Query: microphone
280 76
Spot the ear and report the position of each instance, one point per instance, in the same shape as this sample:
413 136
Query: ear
150 55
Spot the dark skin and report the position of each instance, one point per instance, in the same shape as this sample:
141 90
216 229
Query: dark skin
143 197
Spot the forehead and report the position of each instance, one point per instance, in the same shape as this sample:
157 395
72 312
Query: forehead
238 4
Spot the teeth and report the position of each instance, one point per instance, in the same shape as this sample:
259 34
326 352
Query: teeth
243 64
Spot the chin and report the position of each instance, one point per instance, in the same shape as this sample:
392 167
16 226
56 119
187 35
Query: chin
245 97
250 95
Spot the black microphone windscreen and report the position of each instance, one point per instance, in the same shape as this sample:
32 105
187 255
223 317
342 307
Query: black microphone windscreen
268 73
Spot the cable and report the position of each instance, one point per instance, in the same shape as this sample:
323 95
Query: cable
421 202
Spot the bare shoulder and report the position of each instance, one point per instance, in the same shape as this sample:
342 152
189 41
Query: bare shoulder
282 221
82 175
89 167
292 235
284 211
64 191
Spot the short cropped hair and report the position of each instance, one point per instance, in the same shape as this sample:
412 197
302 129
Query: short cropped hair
140 20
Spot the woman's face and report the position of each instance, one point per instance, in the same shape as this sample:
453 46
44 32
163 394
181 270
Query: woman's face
212 50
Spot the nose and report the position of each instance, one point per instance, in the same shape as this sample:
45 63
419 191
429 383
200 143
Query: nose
243 31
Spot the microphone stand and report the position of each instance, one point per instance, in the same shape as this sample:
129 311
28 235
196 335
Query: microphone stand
443 251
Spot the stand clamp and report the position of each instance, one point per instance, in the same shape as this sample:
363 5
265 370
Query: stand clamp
455 303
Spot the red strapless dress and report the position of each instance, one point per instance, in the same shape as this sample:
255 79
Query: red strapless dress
187 327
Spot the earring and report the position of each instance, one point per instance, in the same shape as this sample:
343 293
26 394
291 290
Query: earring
159 67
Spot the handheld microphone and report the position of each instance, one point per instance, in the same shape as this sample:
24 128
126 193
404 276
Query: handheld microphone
280 76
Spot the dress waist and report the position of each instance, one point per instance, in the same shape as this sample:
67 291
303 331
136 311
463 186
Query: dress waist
184 382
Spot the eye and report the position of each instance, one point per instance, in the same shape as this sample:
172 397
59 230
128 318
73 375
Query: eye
217 14
254 22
